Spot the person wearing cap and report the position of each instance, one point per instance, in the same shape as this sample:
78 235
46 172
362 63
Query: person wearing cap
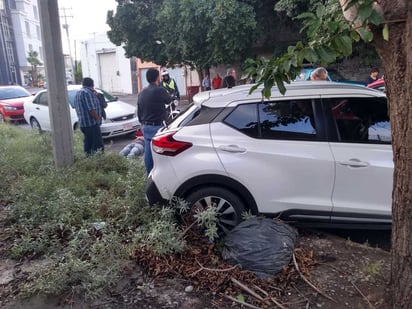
151 112
90 114
170 85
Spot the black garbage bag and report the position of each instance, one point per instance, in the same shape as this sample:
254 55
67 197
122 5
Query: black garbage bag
261 245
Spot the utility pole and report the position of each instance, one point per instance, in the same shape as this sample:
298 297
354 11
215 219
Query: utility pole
66 27
62 131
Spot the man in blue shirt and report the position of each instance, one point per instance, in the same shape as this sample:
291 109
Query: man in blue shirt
90 112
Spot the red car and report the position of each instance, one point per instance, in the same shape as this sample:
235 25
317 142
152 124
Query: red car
11 103
378 85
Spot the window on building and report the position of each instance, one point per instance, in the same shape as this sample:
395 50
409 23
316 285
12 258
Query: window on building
28 33
38 32
1 4
30 47
41 53
12 4
36 14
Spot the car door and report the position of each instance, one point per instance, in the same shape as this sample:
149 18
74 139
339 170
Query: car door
41 110
364 162
278 151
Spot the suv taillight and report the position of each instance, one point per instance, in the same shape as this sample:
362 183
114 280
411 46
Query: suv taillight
166 145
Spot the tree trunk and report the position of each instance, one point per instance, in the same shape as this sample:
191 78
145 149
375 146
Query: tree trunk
396 55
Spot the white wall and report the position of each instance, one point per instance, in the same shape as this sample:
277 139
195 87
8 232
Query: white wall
106 64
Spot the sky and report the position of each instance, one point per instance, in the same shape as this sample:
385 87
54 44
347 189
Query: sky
85 18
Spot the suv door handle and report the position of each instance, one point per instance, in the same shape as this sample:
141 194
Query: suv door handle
232 148
354 163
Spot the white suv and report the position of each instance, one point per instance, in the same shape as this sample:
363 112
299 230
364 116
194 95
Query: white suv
319 154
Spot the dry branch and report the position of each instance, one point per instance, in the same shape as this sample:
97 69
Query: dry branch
310 283
211 269
240 302
363 296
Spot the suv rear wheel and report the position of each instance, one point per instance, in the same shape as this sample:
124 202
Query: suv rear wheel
229 206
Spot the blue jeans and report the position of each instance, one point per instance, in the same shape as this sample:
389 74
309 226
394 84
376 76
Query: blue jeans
93 140
148 133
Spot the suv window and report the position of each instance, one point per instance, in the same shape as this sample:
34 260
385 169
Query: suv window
361 120
290 119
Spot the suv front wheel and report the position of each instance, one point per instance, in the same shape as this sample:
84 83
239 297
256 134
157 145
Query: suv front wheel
229 206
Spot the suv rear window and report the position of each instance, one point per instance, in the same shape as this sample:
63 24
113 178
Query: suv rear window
361 120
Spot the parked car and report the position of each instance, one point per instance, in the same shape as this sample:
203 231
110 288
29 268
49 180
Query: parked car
378 85
11 103
333 75
121 118
320 154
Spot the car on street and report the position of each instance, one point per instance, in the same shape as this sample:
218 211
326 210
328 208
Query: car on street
333 75
121 117
319 155
11 103
378 85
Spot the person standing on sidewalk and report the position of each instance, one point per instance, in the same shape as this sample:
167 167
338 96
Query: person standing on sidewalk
230 79
216 81
206 83
151 112
90 114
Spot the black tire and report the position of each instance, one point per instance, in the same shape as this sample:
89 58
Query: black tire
35 125
2 118
229 205
76 126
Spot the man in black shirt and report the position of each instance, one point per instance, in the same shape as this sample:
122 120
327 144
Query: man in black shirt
230 79
151 111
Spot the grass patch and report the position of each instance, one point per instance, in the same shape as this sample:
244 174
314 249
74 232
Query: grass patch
84 219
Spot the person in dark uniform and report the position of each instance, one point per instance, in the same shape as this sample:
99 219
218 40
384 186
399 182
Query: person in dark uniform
151 112
230 79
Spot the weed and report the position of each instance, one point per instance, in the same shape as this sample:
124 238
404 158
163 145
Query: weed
84 219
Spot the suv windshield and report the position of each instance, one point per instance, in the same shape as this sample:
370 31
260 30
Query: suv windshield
7 93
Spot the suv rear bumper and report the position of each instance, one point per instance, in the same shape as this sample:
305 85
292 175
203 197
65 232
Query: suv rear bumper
153 194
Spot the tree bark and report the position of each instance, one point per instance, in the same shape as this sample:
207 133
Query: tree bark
396 56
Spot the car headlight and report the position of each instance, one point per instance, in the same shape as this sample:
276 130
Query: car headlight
10 108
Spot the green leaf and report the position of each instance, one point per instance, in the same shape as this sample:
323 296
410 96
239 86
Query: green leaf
310 55
326 55
375 18
347 45
281 85
267 91
333 26
365 34
385 32
365 12
306 15
355 36
240 298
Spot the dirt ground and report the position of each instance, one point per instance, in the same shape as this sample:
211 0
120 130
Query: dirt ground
333 273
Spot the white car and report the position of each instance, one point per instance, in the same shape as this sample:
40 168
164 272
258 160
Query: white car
320 154
121 117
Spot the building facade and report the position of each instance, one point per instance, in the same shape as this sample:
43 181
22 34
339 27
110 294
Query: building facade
25 22
112 71
9 63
